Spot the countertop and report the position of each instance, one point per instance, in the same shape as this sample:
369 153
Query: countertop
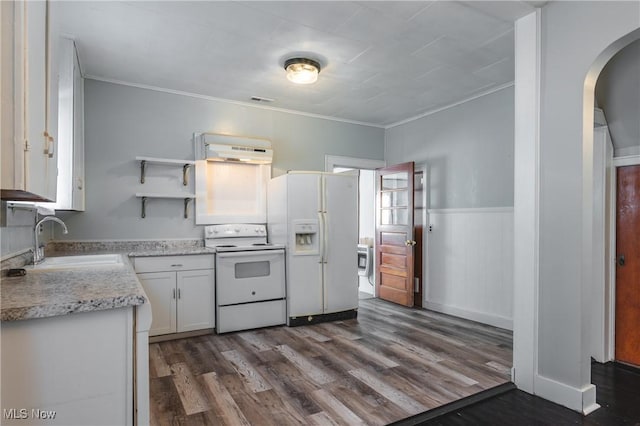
47 293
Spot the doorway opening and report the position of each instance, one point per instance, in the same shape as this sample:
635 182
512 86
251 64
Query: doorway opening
365 168
366 230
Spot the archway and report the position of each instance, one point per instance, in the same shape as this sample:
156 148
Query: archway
559 53
601 319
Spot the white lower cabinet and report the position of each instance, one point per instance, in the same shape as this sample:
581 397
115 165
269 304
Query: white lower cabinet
78 369
181 290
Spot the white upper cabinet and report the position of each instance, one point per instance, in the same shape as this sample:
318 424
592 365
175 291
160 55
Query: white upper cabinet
29 94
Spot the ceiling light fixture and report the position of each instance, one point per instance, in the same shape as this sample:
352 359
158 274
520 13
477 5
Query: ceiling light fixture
302 70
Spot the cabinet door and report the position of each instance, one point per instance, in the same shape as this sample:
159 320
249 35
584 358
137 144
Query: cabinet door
28 154
37 166
196 301
161 291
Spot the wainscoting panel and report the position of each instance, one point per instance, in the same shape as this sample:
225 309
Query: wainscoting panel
470 264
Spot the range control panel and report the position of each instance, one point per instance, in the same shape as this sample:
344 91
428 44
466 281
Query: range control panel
235 230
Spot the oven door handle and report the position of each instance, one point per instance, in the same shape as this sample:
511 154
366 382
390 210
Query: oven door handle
249 253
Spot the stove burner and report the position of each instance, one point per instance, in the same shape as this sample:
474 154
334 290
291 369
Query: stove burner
226 245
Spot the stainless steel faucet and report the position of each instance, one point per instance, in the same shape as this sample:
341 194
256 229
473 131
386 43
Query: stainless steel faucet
38 252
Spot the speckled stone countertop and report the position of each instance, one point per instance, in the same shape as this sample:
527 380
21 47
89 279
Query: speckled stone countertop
47 293
132 248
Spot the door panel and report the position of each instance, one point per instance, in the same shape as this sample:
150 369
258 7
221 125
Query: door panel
393 281
394 233
628 265
394 260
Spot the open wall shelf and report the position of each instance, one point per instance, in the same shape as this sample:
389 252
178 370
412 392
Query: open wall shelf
144 196
185 164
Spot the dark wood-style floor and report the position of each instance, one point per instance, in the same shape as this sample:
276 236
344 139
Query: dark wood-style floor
617 392
388 364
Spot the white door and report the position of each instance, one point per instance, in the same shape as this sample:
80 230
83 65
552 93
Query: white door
195 309
340 242
161 291
305 294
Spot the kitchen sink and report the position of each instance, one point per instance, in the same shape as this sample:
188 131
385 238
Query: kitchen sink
82 261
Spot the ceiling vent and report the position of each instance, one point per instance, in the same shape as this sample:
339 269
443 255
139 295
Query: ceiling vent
261 99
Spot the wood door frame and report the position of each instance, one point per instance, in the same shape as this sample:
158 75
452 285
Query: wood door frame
331 161
422 167
629 160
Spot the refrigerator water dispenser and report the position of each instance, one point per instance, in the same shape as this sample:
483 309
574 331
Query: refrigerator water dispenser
306 238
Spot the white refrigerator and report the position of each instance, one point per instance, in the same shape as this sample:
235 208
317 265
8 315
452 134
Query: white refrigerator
316 216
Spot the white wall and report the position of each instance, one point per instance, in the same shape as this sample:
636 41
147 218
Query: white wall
468 150
15 239
123 122
468 154
470 264
577 40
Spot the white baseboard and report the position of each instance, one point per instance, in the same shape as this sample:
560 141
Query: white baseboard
494 320
581 400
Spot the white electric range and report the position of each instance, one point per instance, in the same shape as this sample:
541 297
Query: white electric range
250 277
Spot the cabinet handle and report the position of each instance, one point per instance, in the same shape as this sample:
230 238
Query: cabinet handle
177 265
174 293
49 144
178 293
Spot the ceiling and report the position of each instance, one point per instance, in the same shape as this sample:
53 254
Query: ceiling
618 94
383 62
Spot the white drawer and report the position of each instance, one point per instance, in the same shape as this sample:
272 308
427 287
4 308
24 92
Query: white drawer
251 315
173 263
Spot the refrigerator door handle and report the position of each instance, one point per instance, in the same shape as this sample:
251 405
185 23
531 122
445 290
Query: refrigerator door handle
323 288
321 236
325 239
325 298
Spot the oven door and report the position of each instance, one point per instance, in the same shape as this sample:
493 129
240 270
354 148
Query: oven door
249 276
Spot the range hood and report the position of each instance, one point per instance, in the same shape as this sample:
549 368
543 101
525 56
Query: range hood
239 149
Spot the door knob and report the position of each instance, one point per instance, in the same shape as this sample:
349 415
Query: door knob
409 243
621 260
